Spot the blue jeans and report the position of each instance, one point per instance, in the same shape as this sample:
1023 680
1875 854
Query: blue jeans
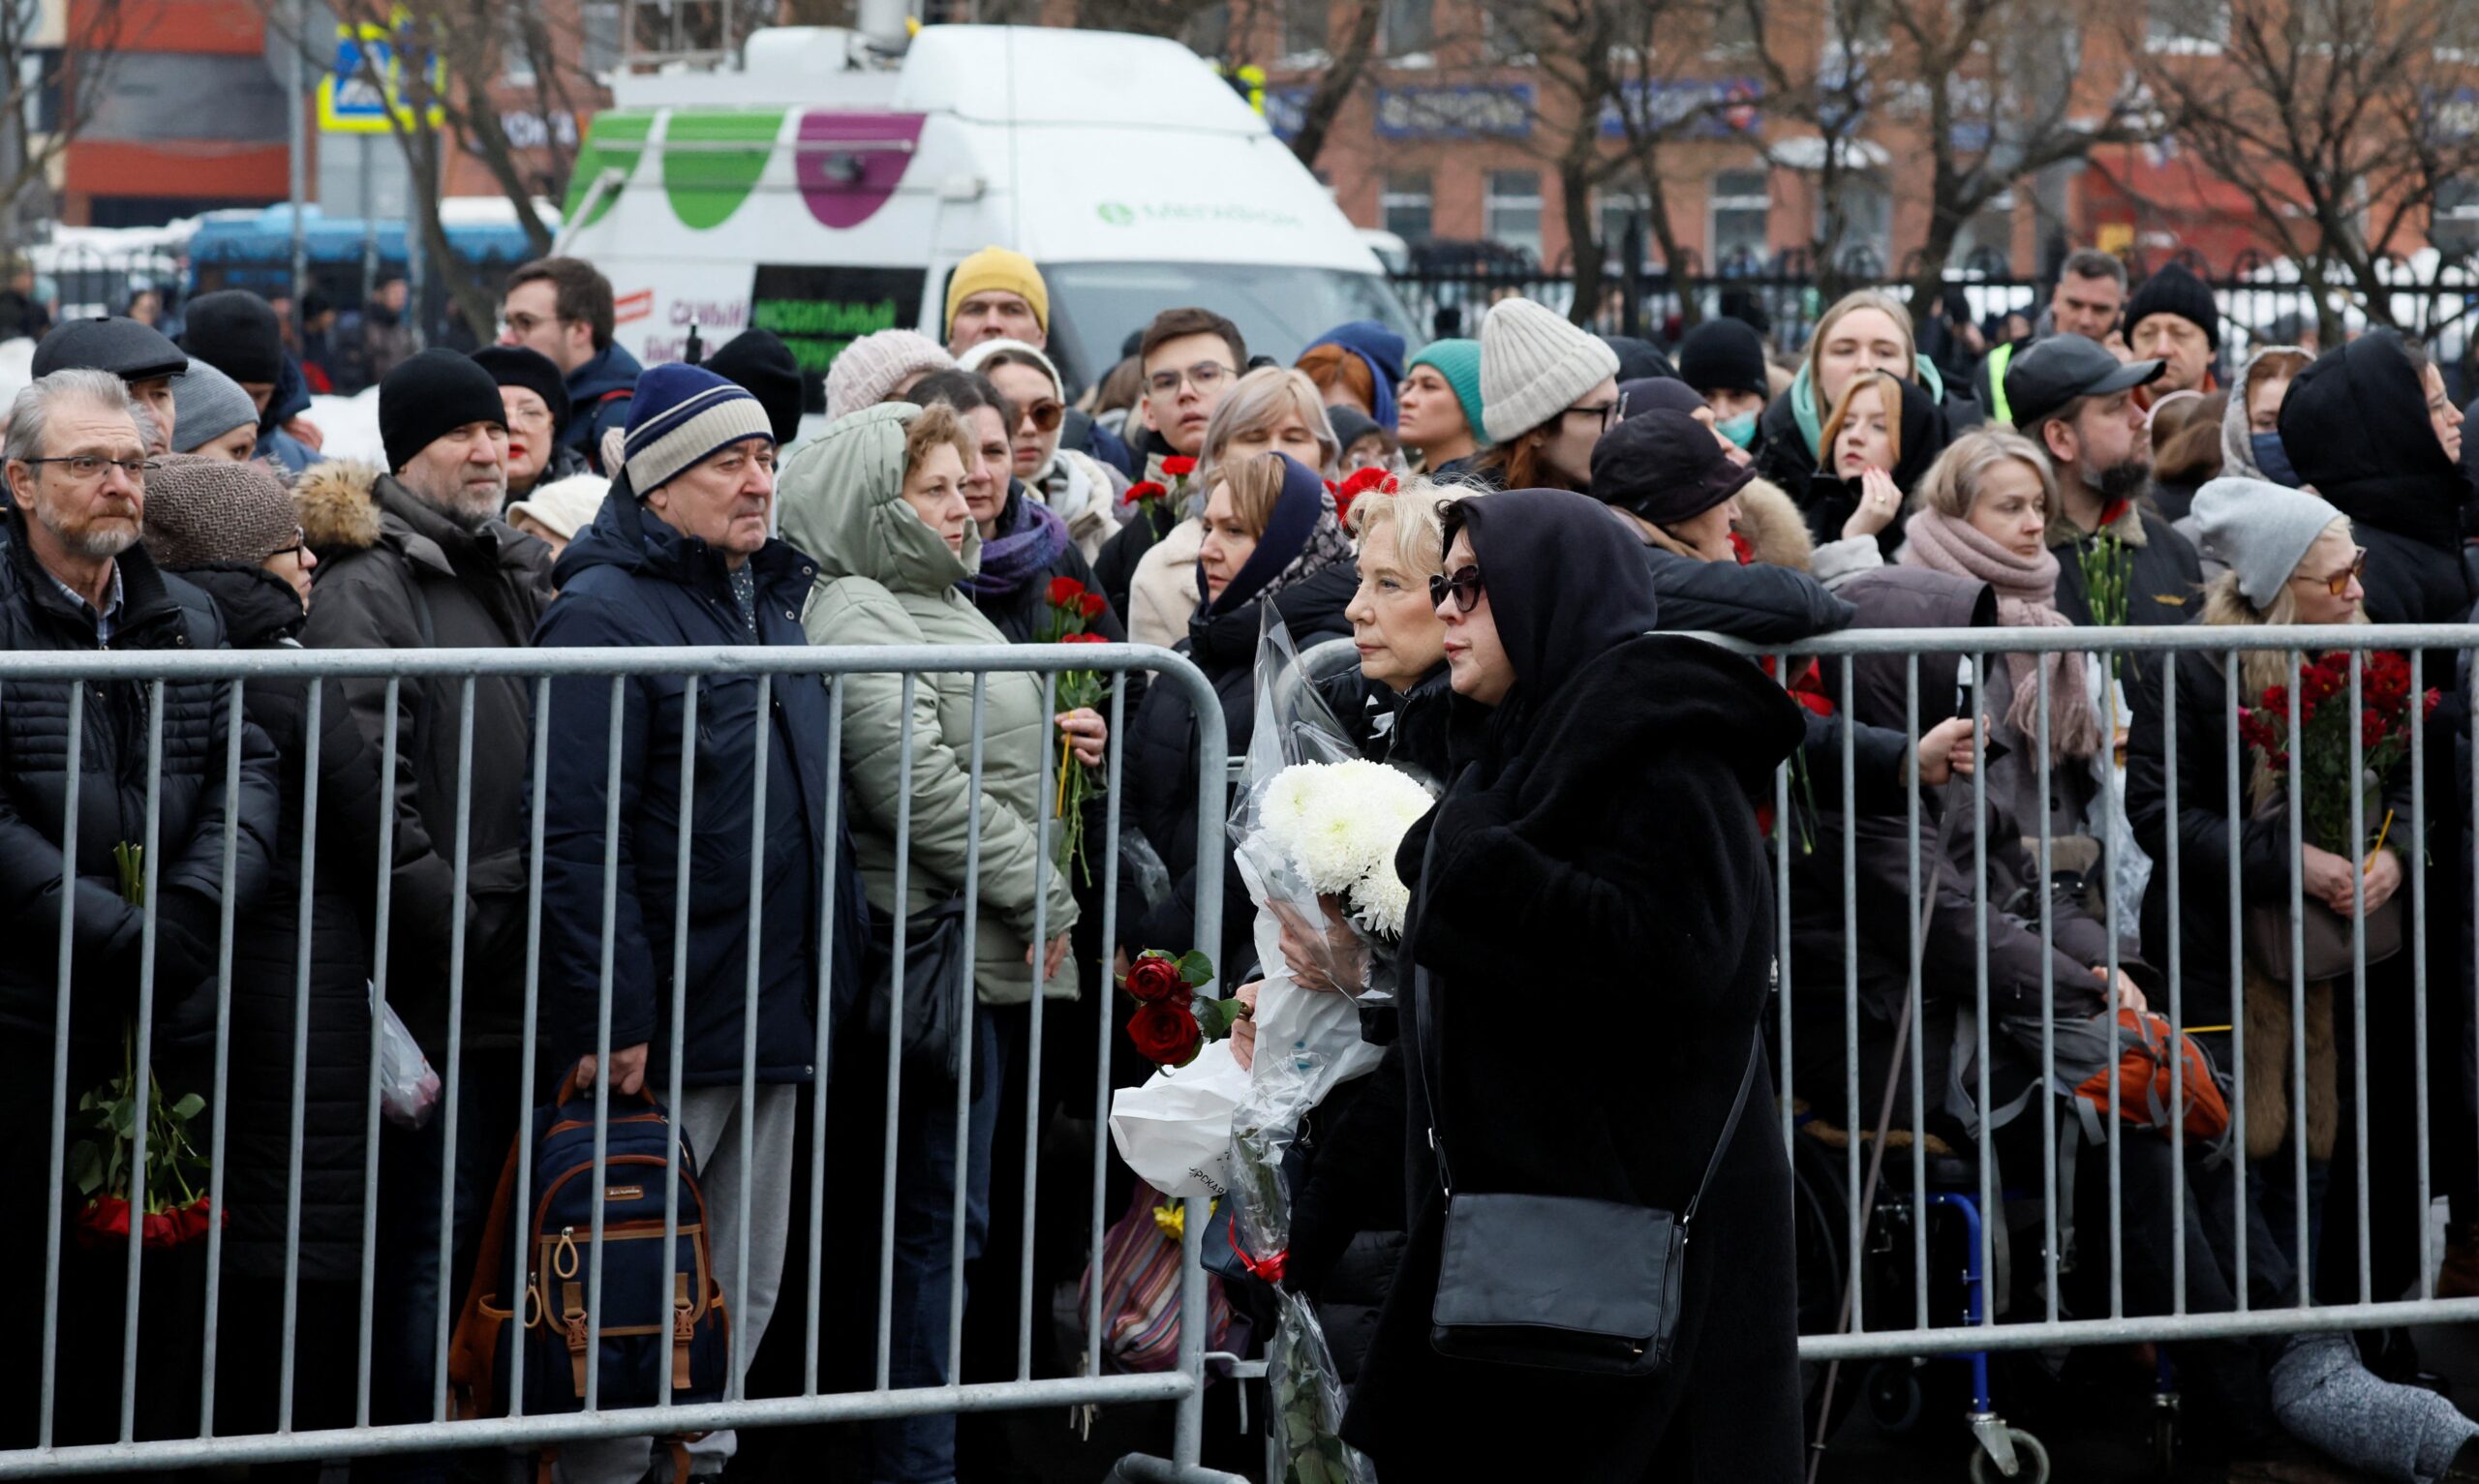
922 1451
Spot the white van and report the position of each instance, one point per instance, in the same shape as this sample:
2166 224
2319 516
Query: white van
823 192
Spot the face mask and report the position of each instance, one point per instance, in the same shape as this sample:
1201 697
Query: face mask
1740 429
2272 458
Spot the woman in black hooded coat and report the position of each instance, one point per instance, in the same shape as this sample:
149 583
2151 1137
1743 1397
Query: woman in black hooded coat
1601 848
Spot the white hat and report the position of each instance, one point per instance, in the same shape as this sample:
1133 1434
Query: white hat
979 356
564 506
1534 365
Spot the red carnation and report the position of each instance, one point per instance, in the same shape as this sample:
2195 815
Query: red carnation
2430 701
2111 513
1743 549
1179 467
1091 604
1085 638
1154 980
2276 698
1165 1033
1142 490
1064 592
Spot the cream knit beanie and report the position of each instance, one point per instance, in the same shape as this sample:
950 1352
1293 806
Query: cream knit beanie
1534 365
865 372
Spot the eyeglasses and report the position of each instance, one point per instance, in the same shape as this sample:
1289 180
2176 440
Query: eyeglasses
1205 376
90 466
300 544
528 417
526 324
1601 412
1464 586
1045 416
2340 582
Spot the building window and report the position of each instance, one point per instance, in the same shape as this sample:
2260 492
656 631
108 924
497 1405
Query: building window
1209 31
1988 237
600 20
1734 25
1858 25
518 46
2187 25
1304 28
1404 208
1867 225
1739 205
1503 40
1621 207
1409 28
1511 212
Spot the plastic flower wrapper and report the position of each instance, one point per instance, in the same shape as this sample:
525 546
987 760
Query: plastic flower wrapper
1307 1394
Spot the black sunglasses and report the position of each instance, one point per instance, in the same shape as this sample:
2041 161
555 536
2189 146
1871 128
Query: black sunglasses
1465 585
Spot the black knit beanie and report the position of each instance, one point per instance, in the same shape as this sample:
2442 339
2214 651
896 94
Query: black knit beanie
1723 356
759 363
235 331
430 395
529 368
2173 291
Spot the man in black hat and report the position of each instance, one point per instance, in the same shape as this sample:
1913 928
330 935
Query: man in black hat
2077 401
136 353
2172 320
536 396
759 363
241 334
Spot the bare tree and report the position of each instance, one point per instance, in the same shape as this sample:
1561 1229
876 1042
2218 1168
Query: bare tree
2331 116
1826 69
1346 66
75 76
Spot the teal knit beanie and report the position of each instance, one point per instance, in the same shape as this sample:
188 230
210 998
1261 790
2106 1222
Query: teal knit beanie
1459 362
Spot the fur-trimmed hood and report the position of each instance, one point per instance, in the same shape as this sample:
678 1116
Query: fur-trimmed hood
1774 527
339 506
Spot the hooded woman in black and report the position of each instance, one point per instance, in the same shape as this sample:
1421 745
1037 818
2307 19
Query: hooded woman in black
1595 865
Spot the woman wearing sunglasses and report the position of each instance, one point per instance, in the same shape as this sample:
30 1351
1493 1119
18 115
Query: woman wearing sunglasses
2292 560
1595 863
1079 489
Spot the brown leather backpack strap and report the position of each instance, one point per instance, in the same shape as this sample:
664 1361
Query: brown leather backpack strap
473 1349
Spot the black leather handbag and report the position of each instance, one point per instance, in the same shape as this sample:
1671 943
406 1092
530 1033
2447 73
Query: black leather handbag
1563 1283
938 983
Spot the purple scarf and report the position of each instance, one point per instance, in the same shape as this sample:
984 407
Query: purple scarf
1030 537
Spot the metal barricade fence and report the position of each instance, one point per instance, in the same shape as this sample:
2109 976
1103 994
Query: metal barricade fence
77 680
2430 829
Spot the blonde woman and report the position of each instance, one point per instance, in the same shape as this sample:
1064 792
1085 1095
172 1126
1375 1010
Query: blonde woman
1869 330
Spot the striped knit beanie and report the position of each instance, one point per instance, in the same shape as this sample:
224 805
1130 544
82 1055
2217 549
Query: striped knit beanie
682 413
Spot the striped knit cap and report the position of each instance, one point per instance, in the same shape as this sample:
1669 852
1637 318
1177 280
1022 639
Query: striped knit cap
680 414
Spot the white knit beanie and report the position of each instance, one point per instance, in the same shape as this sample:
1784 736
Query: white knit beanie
865 372
564 505
1534 365
979 356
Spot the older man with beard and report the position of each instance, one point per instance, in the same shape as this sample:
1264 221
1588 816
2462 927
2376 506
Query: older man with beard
413 559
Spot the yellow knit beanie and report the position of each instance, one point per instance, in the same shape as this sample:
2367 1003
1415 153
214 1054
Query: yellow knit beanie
997 267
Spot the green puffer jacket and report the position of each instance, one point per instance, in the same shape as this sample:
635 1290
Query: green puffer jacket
885 578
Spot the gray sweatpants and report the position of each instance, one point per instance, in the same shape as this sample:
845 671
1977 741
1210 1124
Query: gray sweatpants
709 1120
2325 1396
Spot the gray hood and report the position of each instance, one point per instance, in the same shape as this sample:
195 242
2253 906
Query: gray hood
2237 454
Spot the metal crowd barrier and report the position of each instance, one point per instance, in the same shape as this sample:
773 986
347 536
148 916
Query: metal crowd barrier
240 670
2434 654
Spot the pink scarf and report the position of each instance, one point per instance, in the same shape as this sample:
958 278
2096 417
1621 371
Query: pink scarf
2026 598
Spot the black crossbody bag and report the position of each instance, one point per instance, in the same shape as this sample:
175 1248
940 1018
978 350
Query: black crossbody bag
1562 1283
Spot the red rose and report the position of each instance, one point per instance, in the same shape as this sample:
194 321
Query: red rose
1083 639
2112 512
1142 490
2276 698
1167 1035
105 1220
1154 980
1091 604
2430 701
1742 548
1064 592
1179 467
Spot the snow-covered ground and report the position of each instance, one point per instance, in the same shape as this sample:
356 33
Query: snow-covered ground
351 425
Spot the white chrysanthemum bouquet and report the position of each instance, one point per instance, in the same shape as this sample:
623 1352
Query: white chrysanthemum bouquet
1340 824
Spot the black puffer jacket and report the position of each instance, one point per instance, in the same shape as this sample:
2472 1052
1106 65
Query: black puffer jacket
1021 611
1161 763
261 612
158 613
395 574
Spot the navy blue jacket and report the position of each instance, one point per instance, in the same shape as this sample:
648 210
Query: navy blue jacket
600 392
629 579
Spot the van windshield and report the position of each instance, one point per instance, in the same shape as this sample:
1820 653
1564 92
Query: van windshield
1279 309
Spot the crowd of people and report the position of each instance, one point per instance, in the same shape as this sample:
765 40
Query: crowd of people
1501 544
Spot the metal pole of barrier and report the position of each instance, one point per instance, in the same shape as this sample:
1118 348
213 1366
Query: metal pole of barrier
2052 1196
216 1083
602 1075
386 892
2298 994
1850 1000
967 1037
529 1040
2237 969
1916 891
1188 1433
1097 1225
895 1028
1990 1213
2109 992
142 1074
315 718
833 861
2177 1000
72 780
1043 866
2417 824
452 1087
762 730
1782 804
681 892
2358 966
